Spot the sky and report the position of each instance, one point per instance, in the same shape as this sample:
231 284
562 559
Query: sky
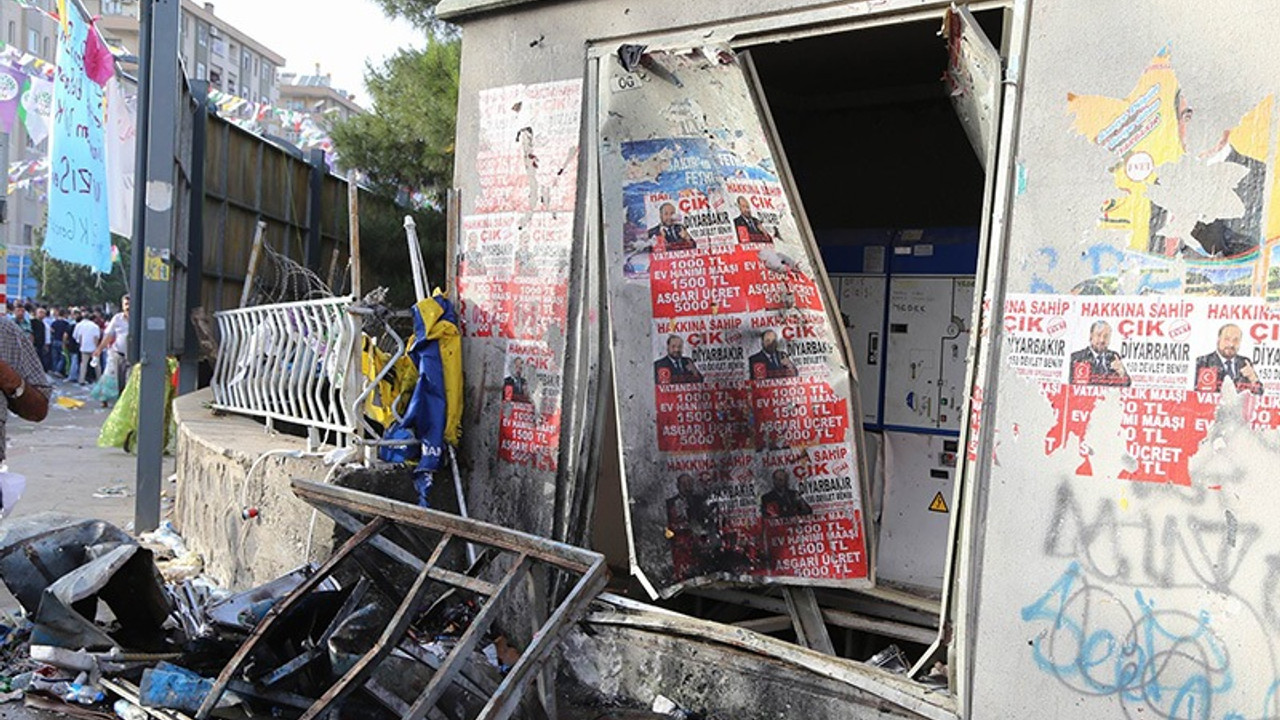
341 35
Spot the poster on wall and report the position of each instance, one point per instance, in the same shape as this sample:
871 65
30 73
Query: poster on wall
738 451
513 266
1165 362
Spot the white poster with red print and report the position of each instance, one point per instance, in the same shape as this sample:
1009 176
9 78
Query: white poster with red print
1165 361
514 259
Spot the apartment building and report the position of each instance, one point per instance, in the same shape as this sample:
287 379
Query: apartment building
212 49
316 95
32 31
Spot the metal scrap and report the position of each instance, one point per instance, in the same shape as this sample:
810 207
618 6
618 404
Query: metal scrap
389 664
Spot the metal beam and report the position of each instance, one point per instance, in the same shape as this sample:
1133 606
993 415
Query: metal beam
806 616
151 322
315 210
189 372
139 185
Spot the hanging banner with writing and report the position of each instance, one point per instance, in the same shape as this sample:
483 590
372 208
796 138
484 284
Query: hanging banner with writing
36 107
78 226
11 81
122 132
734 396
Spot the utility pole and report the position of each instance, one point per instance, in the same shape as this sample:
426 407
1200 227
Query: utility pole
137 254
152 322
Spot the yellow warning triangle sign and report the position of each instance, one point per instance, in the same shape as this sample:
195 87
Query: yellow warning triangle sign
939 504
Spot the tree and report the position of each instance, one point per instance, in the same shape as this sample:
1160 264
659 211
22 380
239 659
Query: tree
384 254
64 283
419 12
408 141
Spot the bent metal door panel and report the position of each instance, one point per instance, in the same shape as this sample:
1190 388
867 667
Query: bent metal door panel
734 394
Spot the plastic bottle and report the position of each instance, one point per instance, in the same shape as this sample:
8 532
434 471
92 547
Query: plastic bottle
126 710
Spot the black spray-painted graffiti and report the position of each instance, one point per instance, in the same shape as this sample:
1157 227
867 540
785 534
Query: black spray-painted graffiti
1140 550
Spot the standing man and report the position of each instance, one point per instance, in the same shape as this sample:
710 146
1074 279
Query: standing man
58 331
21 320
1227 362
115 342
39 335
86 335
22 380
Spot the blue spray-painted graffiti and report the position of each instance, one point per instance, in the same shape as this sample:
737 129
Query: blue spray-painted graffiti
1159 662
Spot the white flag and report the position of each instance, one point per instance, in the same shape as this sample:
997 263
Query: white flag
122 134
36 107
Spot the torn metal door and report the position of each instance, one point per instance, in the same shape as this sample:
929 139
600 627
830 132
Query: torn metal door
973 76
735 394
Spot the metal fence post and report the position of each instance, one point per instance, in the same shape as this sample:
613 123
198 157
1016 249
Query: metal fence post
189 371
160 174
138 241
315 216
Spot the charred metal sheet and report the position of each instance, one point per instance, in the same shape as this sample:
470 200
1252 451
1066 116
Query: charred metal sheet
38 549
126 579
242 611
516 556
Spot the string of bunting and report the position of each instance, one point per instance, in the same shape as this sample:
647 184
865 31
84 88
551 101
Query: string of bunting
259 117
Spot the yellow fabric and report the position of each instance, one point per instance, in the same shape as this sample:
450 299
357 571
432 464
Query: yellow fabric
450 340
393 390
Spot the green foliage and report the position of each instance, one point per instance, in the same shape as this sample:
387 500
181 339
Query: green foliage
384 253
419 12
63 283
408 141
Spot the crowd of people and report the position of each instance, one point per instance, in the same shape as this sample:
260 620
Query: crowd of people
82 345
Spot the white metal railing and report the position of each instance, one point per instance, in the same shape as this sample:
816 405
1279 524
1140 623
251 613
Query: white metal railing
296 362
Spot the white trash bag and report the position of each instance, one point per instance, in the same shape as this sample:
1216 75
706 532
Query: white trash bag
12 486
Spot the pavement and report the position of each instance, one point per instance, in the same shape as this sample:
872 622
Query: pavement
67 472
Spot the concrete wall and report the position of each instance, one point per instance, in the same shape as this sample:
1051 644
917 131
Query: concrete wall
1112 587
215 454
1096 593
541 43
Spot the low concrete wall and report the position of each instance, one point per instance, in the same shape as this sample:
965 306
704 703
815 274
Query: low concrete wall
215 454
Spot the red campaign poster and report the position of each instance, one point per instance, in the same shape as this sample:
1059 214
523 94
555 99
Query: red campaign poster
480 305
809 527
1162 430
762 514
774 284
825 545
795 344
796 414
484 269
696 417
757 206
529 429
713 524
532 305
696 283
